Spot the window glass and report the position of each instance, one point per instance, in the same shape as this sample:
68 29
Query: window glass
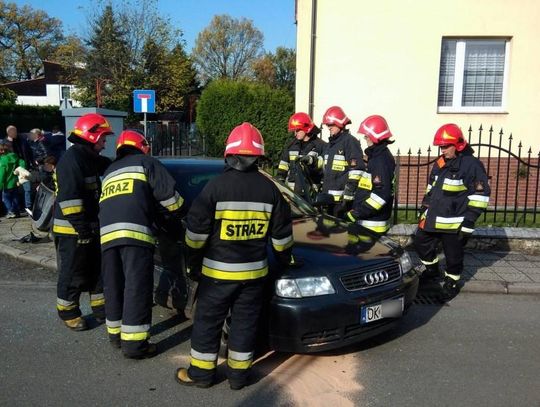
446 73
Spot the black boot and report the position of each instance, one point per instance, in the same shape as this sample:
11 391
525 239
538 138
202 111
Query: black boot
149 352
431 274
450 288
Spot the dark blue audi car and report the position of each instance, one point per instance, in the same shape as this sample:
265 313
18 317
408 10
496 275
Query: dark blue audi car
347 289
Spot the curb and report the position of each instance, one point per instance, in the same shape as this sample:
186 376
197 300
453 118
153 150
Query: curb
42 261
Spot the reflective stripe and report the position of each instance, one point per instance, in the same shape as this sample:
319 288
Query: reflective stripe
467 230
113 330
478 201
290 185
282 244
132 169
243 215
352 239
239 364
63 305
376 226
202 364
428 263
293 155
283 165
195 240
320 162
244 206
63 226
454 277
203 356
428 188
234 266
355 174
336 194
71 206
365 180
97 300
136 336
96 296
135 328
207 361
174 203
114 324
448 223
375 201
351 217
126 230
234 275
240 355
339 157
453 185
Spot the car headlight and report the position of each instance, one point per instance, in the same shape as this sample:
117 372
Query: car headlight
406 262
304 287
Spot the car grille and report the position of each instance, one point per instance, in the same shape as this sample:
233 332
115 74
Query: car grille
372 276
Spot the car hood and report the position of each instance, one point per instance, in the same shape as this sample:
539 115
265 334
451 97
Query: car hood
325 244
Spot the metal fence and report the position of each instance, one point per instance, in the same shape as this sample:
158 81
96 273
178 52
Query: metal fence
513 176
175 139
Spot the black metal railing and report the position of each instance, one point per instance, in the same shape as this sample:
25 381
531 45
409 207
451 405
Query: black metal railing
175 139
514 179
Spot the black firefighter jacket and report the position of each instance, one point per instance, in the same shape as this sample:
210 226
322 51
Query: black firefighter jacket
229 224
78 185
297 149
343 166
374 197
135 188
457 194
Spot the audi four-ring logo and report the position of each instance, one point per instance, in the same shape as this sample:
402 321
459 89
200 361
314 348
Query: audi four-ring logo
376 277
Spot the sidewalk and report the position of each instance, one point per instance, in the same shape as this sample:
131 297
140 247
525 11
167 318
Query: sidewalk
486 270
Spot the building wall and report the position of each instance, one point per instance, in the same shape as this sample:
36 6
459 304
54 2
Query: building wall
382 57
53 97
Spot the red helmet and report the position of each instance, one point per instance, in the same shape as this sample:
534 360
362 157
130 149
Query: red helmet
376 128
336 116
301 121
450 134
245 139
91 127
134 139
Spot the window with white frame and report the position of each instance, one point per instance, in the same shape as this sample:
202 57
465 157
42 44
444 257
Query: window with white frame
473 75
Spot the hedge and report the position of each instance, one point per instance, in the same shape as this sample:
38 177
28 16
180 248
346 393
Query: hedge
225 104
26 118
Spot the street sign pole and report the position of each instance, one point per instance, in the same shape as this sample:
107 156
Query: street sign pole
144 124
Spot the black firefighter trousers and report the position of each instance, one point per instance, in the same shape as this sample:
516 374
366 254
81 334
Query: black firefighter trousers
215 298
128 276
426 244
79 269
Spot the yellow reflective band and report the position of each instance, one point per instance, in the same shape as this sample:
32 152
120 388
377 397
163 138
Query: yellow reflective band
427 263
447 226
61 307
351 216
97 302
126 175
378 229
66 230
337 167
243 230
119 234
365 183
195 244
283 167
242 215
134 336
121 187
113 330
175 206
454 188
373 203
478 204
203 364
282 247
69 210
354 177
352 239
234 275
239 364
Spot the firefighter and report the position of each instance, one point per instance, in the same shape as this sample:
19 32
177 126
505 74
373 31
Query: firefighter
343 161
307 148
134 186
75 223
457 193
227 230
372 207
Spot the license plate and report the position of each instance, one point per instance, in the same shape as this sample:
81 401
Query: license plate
386 309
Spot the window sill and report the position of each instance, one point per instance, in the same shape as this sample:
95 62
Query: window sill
472 110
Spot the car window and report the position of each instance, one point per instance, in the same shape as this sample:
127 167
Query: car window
299 207
191 180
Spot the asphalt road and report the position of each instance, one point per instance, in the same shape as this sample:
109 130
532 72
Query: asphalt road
481 350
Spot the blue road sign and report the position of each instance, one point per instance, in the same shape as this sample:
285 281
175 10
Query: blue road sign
144 101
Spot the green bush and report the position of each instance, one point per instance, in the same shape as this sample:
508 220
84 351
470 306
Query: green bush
225 104
25 118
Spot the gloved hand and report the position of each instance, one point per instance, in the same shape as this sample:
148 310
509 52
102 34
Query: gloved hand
194 273
466 230
422 210
295 262
307 160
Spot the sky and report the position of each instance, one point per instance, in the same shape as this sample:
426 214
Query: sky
274 18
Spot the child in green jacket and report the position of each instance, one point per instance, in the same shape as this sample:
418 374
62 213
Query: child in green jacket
8 180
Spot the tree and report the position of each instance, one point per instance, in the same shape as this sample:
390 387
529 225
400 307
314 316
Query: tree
27 38
277 70
7 96
227 48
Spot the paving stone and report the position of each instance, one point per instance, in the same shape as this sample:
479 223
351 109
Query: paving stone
514 277
487 276
530 266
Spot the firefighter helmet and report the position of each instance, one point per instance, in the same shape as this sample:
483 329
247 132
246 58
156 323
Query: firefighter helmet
336 116
376 128
450 134
245 139
91 127
301 121
134 139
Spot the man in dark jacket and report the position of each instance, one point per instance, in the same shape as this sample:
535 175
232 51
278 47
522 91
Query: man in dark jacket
457 194
228 227
75 223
